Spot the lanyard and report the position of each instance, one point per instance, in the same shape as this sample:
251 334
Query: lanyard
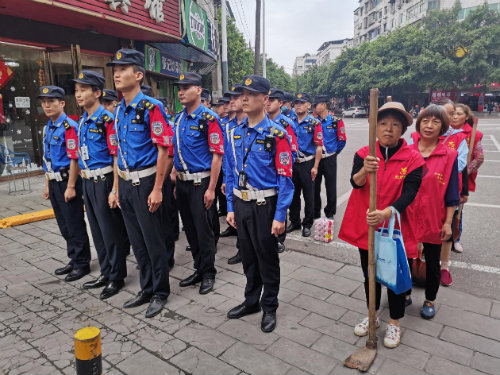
248 151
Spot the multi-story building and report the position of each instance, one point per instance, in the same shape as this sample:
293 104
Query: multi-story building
326 54
303 63
373 18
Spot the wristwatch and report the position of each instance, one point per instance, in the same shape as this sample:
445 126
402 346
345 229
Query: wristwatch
113 192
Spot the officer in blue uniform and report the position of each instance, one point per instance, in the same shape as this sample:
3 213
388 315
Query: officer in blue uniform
199 147
143 138
205 98
287 106
95 132
109 100
273 109
218 104
333 144
305 167
147 90
259 190
64 185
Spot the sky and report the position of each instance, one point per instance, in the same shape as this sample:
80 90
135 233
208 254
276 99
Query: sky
296 27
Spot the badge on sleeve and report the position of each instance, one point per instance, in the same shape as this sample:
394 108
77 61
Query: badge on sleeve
157 127
71 144
112 139
214 138
284 158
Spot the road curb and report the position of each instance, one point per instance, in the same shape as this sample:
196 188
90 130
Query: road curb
13 221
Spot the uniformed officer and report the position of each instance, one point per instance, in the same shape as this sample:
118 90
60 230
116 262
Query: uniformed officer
273 108
236 107
219 107
305 168
259 190
95 133
199 147
205 98
64 185
143 137
287 106
334 140
109 100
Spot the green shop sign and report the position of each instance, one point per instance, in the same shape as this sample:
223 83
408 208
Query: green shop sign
195 25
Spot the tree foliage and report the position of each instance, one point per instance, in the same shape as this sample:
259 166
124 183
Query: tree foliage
440 52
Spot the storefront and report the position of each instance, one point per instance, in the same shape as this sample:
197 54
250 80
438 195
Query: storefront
45 43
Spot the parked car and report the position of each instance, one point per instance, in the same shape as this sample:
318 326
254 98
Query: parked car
354 112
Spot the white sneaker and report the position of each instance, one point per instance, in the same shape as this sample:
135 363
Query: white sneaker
361 329
457 247
392 336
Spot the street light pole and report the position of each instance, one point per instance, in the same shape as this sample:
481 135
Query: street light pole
224 47
264 71
256 64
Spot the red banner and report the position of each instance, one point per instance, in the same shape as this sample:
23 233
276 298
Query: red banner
6 73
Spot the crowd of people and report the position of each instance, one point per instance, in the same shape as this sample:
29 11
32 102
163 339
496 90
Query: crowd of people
135 170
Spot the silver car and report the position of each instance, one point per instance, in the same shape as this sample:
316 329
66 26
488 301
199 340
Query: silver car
354 112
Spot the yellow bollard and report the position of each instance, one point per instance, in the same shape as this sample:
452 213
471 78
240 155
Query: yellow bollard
88 351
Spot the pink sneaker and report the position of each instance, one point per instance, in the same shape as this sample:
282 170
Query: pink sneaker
446 279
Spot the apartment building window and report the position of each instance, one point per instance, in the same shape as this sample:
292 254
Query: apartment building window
432 5
385 10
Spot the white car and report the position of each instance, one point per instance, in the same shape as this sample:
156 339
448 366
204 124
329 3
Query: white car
354 112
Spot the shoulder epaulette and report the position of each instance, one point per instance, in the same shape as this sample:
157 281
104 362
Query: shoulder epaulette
278 133
66 124
313 121
107 119
284 122
146 104
208 116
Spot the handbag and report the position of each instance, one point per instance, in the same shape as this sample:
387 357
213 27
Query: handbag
418 270
392 268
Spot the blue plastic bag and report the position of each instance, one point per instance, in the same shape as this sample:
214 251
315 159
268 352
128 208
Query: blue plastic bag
391 265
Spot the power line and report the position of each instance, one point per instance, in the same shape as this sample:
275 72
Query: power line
245 20
244 30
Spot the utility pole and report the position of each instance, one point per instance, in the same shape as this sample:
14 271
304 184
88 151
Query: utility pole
256 65
224 47
264 63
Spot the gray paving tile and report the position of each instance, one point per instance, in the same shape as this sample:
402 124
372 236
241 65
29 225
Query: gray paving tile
194 361
204 338
144 362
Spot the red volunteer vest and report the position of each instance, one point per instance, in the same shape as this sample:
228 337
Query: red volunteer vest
467 129
390 178
428 211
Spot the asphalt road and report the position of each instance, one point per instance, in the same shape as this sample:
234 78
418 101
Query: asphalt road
477 269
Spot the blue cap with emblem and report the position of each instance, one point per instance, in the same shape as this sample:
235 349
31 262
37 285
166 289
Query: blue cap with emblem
233 91
147 90
52 92
189 78
321 99
287 97
109 95
302 97
128 56
205 94
255 83
91 78
275 93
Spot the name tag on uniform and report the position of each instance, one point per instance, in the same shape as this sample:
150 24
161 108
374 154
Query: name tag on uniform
84 152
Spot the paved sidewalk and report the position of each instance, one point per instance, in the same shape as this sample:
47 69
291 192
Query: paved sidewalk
321 299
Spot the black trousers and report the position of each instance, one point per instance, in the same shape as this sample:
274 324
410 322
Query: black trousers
259 252
432 254
303 183
107 227
219 197
71 222
327 168
146 232
170 213
396 301
199 225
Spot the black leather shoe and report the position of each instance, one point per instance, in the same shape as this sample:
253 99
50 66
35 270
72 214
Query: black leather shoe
242 310
188 248
140 299
281 247
292 227
111 288
230 231
235 259
97 283
155 306
306 232
77 274
191 280
64 270
268 323
207 285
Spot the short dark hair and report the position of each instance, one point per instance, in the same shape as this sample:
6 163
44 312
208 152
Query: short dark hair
436 111
138 68
444 101
468 113
394 113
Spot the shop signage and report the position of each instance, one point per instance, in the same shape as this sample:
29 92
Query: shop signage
22 101
449 94
123 4
158 62
155 8
195 25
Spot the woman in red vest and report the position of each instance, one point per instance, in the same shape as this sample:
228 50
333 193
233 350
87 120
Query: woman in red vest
437 198
399 174
464 120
